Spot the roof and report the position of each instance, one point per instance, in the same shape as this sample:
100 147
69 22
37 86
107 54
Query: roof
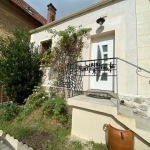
28 9
101 3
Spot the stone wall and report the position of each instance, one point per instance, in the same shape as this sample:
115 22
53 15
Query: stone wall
140 105
8 23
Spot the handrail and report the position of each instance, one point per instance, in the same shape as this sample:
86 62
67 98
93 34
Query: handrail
117 77
133 65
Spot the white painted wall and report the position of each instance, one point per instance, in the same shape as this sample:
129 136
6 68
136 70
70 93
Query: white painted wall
143 39
121 19
89 126
88 118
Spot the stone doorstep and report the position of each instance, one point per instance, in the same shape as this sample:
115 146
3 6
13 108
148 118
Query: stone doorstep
91 100
101 93
7 140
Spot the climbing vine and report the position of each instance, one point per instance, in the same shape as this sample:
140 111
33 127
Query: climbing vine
67 49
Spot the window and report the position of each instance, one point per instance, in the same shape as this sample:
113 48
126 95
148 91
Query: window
46 45
105 48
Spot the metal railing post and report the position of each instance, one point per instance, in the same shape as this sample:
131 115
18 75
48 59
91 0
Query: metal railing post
117 86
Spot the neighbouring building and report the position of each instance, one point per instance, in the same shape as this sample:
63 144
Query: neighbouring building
17 14
124 35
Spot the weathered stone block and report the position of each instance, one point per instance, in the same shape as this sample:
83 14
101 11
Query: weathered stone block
138 100
140 104
139 112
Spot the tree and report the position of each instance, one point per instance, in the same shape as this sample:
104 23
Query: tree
19 69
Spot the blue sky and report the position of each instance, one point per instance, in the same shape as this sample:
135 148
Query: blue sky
64 7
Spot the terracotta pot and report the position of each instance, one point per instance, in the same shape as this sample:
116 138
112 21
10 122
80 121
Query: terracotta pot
117 139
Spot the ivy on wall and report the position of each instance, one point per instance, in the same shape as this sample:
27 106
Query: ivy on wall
67 49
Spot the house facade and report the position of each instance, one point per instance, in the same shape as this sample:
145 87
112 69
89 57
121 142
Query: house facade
17 14
118 34
121 41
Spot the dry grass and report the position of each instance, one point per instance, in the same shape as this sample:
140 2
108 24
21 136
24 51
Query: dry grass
51 134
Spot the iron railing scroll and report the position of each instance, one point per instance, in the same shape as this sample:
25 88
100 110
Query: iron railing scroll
74 73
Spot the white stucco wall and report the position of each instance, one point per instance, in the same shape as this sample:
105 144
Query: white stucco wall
88 118
143 39
121 20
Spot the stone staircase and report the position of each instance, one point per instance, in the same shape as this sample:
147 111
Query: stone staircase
132 106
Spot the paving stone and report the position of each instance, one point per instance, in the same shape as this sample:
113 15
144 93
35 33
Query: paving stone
4 147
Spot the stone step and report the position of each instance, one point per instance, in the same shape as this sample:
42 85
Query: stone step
101 93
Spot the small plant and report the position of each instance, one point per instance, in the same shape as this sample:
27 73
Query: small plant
55 107
59 139
46 58
34 101
9 112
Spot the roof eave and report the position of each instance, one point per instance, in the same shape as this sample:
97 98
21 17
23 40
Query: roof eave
103 2
27 13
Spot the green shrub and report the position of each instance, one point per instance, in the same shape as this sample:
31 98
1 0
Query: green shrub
9 112
34 101
19 68
37 97
55 107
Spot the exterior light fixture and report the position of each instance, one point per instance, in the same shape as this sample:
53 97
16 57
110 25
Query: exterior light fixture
100 20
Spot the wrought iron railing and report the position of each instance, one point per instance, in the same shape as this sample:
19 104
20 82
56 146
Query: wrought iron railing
75 72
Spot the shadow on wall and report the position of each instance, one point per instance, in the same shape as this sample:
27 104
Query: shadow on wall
100 29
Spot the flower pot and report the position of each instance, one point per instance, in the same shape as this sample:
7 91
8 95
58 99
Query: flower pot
117 139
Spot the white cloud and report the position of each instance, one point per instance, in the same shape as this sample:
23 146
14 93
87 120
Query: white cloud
64 7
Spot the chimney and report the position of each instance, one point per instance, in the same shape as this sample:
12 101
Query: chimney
51 13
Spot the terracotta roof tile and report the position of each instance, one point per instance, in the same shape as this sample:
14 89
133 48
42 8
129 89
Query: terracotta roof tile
27 8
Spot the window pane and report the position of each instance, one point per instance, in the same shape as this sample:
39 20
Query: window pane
105 56
104 77
105 48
